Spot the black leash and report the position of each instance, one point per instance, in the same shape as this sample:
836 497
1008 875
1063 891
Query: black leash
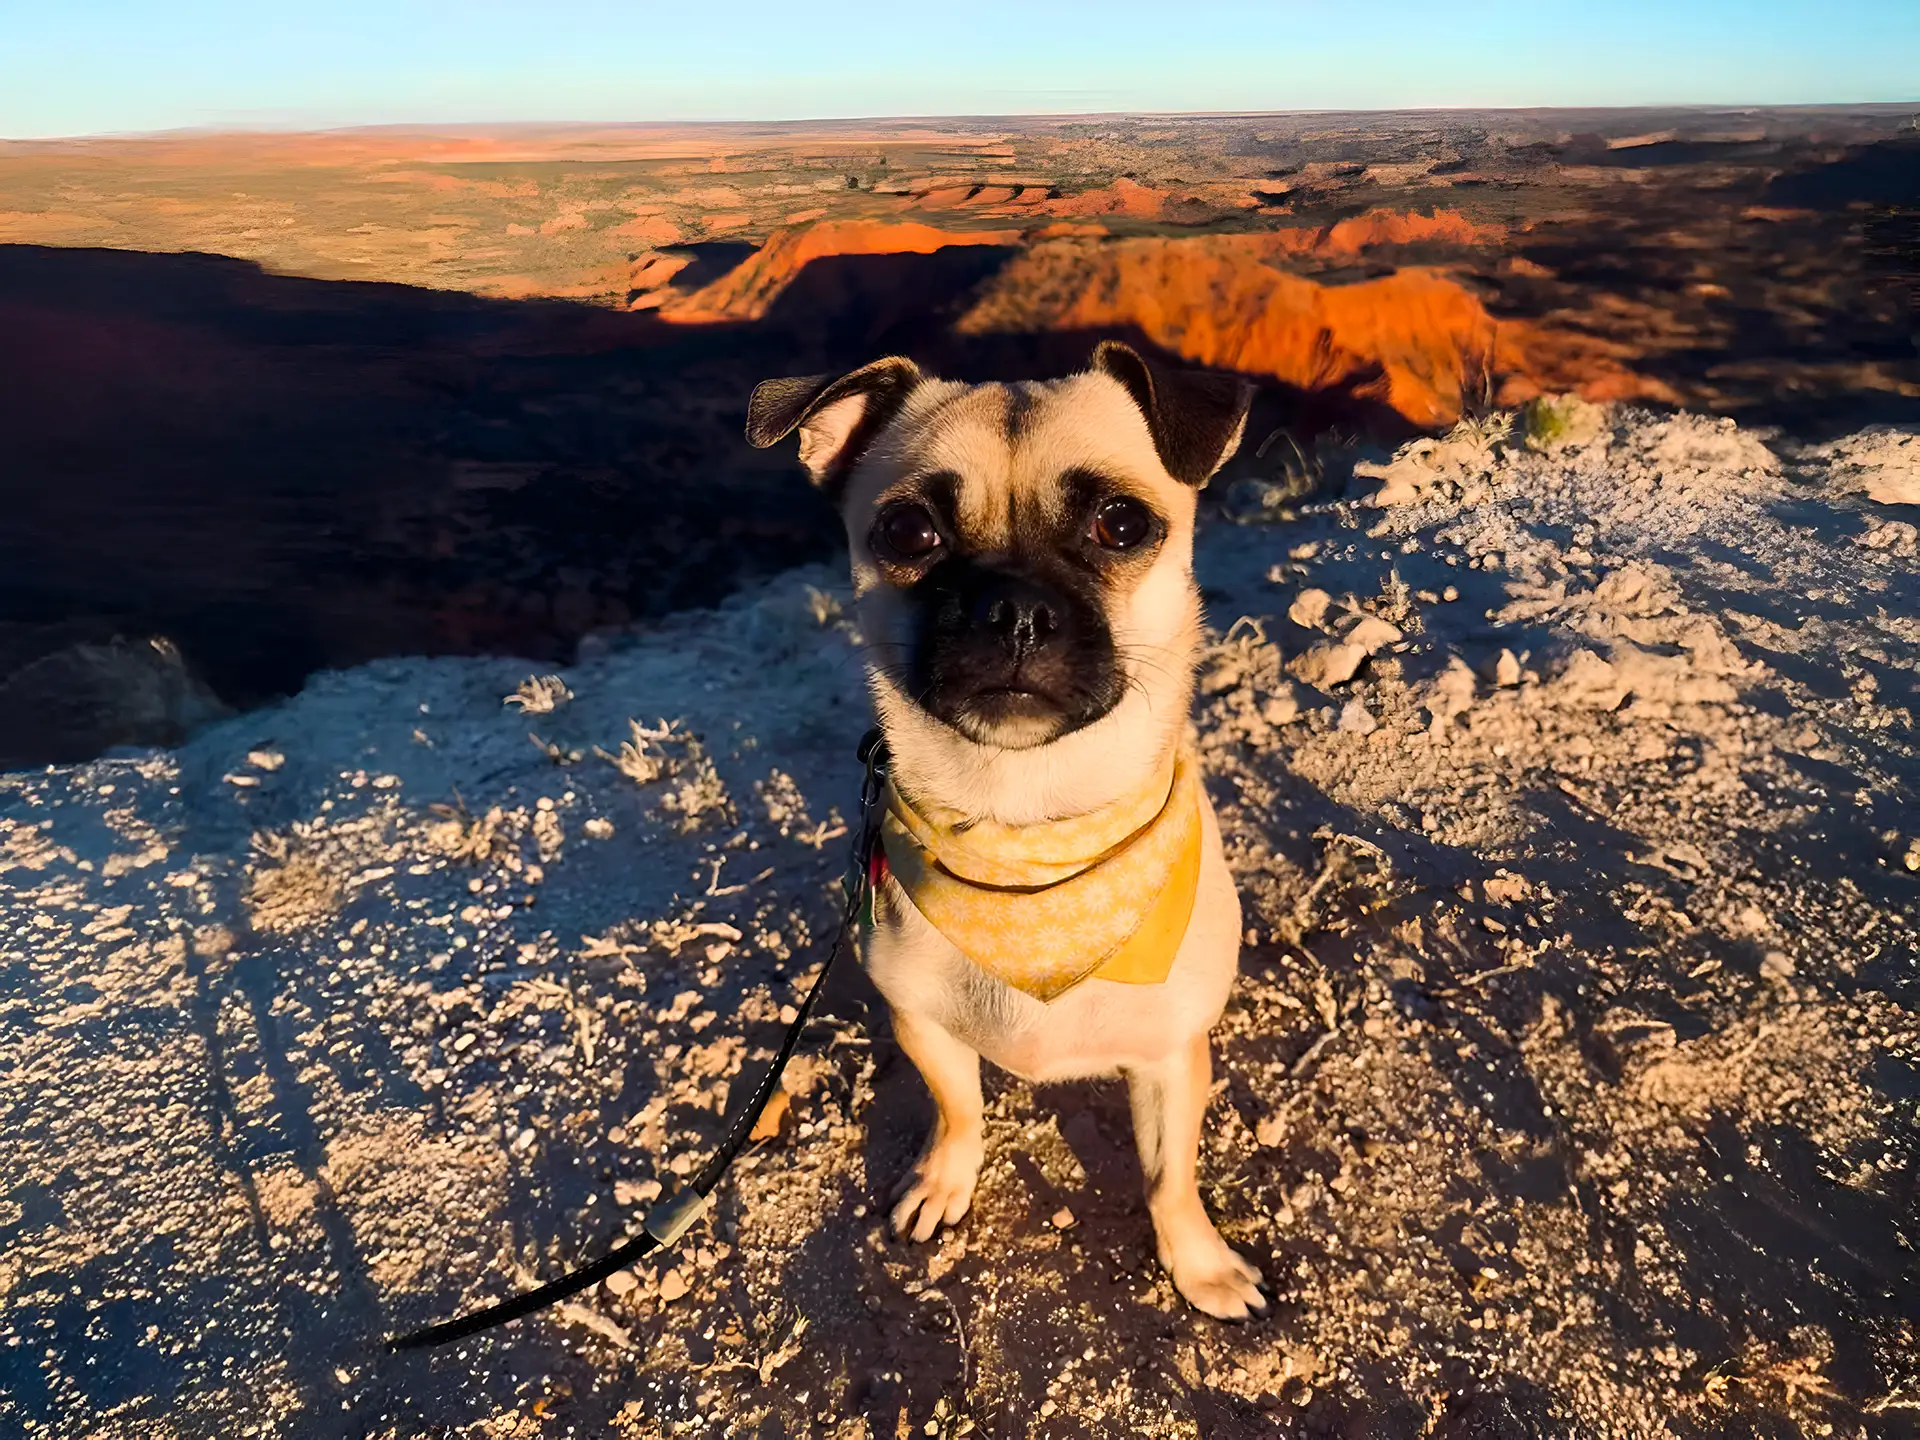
668 1221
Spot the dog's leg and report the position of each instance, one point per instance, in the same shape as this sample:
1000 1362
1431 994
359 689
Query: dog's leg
940 1187
1169 1101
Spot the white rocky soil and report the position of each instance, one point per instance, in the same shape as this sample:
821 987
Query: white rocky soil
1572 1086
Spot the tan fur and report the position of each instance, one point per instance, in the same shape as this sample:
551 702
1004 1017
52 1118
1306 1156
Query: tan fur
947 1011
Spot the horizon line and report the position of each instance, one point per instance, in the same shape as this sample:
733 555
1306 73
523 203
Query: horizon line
422 127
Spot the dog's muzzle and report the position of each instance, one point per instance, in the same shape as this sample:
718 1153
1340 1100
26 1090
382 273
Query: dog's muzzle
1010 657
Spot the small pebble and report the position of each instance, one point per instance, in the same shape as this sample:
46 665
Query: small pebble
1373 634
1283 708
1326 665
1309 608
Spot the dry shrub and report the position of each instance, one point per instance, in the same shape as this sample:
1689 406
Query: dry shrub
642 758
467 838
646 756
540 695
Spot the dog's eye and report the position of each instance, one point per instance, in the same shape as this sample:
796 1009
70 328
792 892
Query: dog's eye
1121 523
906 532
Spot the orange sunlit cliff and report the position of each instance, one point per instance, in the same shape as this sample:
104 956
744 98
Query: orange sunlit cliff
1415 338
1412 339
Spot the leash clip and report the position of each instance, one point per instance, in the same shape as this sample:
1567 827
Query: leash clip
873 783
667 1223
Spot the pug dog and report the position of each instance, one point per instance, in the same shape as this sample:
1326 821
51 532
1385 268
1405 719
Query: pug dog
1054 895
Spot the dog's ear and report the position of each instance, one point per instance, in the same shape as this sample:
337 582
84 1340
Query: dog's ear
837 419
1195 416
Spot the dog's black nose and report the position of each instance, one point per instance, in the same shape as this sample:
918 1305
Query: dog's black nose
1021 615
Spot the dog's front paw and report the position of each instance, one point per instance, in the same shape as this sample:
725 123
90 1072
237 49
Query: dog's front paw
1212 1275
940 1187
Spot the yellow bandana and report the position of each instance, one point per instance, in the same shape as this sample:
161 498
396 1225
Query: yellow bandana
1043 907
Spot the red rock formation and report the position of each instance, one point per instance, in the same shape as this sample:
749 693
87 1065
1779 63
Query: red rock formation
746 292
1417 340
1123 197
1392 227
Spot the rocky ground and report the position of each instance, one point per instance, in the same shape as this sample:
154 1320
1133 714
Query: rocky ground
1571 1088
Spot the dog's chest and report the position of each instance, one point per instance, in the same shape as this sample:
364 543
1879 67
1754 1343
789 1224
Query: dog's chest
1095 1028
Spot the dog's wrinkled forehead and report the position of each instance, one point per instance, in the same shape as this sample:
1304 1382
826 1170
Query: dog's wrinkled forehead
1007 455
1155 424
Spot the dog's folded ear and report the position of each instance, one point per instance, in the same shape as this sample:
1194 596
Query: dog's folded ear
837 418
1196 417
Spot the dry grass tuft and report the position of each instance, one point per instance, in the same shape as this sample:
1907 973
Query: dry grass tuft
469 839
824 607
648 756
539 695
641 757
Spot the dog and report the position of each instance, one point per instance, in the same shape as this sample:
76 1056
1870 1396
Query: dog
1054 895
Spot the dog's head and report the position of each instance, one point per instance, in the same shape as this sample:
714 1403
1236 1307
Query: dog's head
1022 554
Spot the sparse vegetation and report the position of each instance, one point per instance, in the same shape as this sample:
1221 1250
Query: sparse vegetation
540 695
1395 603
466 838
642 756
822 605
649 756
700 793
1554 422
1483 430
1479 375
559 754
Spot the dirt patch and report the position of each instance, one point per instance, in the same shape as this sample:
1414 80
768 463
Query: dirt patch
1883 464
292 890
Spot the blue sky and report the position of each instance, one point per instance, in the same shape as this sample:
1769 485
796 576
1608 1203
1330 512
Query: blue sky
89 66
